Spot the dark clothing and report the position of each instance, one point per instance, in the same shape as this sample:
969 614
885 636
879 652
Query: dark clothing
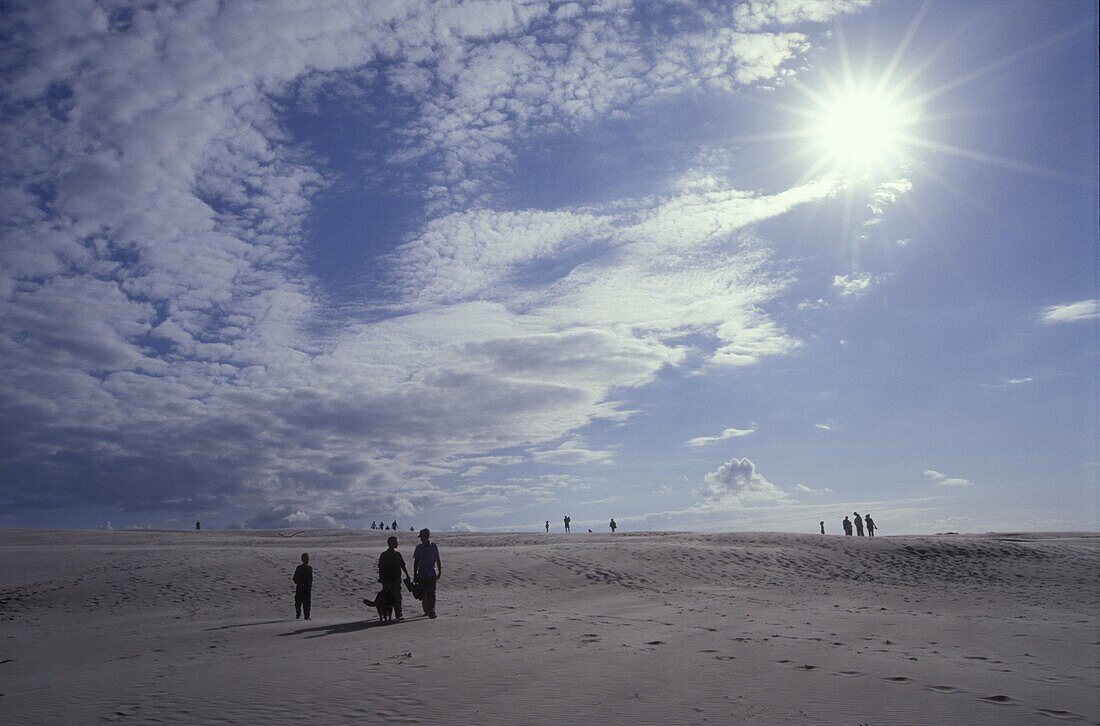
394 589
847 527
303 590
390 566
859 526
427 594
302 598
870 526
303 576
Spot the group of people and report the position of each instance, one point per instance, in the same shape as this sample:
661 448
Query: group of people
568 520
383 525
859 522
427 569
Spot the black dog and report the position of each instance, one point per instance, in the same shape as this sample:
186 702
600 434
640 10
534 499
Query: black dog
383 603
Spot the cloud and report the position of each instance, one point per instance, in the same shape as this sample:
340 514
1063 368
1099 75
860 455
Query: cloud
854 285
941 479
734 482
803 489
724 436
756 14
572 453
823 427
1071 312
169 347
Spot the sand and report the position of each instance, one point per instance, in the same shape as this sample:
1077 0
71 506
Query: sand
749 628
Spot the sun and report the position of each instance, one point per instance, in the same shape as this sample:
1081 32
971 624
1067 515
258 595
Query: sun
858 131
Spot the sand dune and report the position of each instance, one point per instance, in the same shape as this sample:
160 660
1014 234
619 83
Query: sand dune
751 628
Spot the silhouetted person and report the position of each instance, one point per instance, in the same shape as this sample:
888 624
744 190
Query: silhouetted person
394 525
847 527
198 525
390 566
859 524
303 587
871 527
822 526
372 525
567 520
427 569
613 525
548 526
411 529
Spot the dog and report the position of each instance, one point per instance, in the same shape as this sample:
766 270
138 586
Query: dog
383 603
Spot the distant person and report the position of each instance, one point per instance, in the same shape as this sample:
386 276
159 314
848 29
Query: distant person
394 525
411 529
567 520
427 569
859 524
613 525
847 525
303 587
372 525
822 524
871 527
589 530
390 566
198 525
548 526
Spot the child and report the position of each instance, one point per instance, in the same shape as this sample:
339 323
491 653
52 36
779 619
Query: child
303 587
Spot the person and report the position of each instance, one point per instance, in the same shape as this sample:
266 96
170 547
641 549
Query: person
822 523
303 587
870 525
548 526
567 523
390 566
372 525
613 525
411 529
198 525
859 524
847 525
427 569
394 525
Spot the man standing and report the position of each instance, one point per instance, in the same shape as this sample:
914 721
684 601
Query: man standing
427 569
613 525
390 566
567 523
847 526
548 526
859 524
303 587
871 527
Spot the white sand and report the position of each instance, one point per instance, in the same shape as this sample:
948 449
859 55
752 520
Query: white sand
188 627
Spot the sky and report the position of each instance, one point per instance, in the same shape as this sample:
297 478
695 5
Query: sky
479 265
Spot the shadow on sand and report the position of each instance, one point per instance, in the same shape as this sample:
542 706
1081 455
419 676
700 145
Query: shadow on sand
341 628
247 625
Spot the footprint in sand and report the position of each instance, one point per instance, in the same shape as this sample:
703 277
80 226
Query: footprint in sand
850 674
1059 714
999 699
898 679
806 667
944 689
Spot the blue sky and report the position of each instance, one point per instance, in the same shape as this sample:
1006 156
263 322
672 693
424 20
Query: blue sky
475 265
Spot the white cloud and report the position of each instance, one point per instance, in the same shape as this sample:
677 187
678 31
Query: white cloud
756 14
726 435
803 489
823 427
161 323
1072 312
941 479
854 285
734 482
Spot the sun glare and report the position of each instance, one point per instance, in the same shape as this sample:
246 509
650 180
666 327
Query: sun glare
860 131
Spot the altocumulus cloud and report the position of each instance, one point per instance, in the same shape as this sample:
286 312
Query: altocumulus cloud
165 345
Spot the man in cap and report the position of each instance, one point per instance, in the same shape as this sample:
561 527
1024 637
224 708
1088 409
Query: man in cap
427 569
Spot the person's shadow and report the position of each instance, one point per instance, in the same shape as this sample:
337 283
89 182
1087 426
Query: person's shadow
339 628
